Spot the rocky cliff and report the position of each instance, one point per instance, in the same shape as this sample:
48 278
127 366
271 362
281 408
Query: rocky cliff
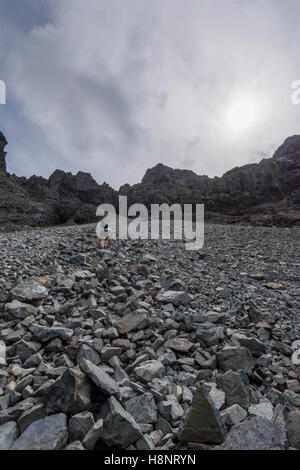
62 199
3 143
267 193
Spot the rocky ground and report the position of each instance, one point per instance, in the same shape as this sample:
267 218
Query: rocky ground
148 345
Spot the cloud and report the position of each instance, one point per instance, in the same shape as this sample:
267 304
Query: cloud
115 87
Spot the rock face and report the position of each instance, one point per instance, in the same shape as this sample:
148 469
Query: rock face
265 193
3 143
37 201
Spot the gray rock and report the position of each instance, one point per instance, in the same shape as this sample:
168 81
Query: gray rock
79 425
144 443
296 357
170 408
203 422
163 426
235 358
22 383
70 393
100 378
14 412
249 342
78 259
86 352
264 409
217 396
93 435
17 310
235 388
119 428
30 416
255 434
209 334
8 434
182 345
25 349
4 402
148 370
49 433
33 361
29 290
2 353
45 333
292 397
132 321
76 445
293 428
142 409
109 352
175 297
233 415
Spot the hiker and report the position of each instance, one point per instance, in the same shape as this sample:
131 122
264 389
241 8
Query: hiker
105 236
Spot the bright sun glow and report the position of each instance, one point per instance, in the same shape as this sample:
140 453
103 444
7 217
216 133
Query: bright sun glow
242 114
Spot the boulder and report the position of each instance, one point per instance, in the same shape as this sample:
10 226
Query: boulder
17 310
233 415
50 433
148 370
132 321
8 434
235 358
293 428
235 387
119 428
142 408
175 297
79 425
255 434
29 290
203 422
99 377
70 393
45 333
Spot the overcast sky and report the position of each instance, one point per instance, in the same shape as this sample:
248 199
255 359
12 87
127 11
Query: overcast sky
113 87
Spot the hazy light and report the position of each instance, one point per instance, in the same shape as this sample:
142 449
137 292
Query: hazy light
243 113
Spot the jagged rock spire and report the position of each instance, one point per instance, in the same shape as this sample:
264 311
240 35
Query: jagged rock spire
3 143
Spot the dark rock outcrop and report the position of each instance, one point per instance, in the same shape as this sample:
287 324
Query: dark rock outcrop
3 143
62 199
265 193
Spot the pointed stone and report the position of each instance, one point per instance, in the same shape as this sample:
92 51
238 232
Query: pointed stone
203 422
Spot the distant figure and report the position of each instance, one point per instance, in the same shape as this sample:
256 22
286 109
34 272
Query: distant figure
105 236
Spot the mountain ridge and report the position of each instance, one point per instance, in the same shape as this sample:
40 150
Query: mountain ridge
265 193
